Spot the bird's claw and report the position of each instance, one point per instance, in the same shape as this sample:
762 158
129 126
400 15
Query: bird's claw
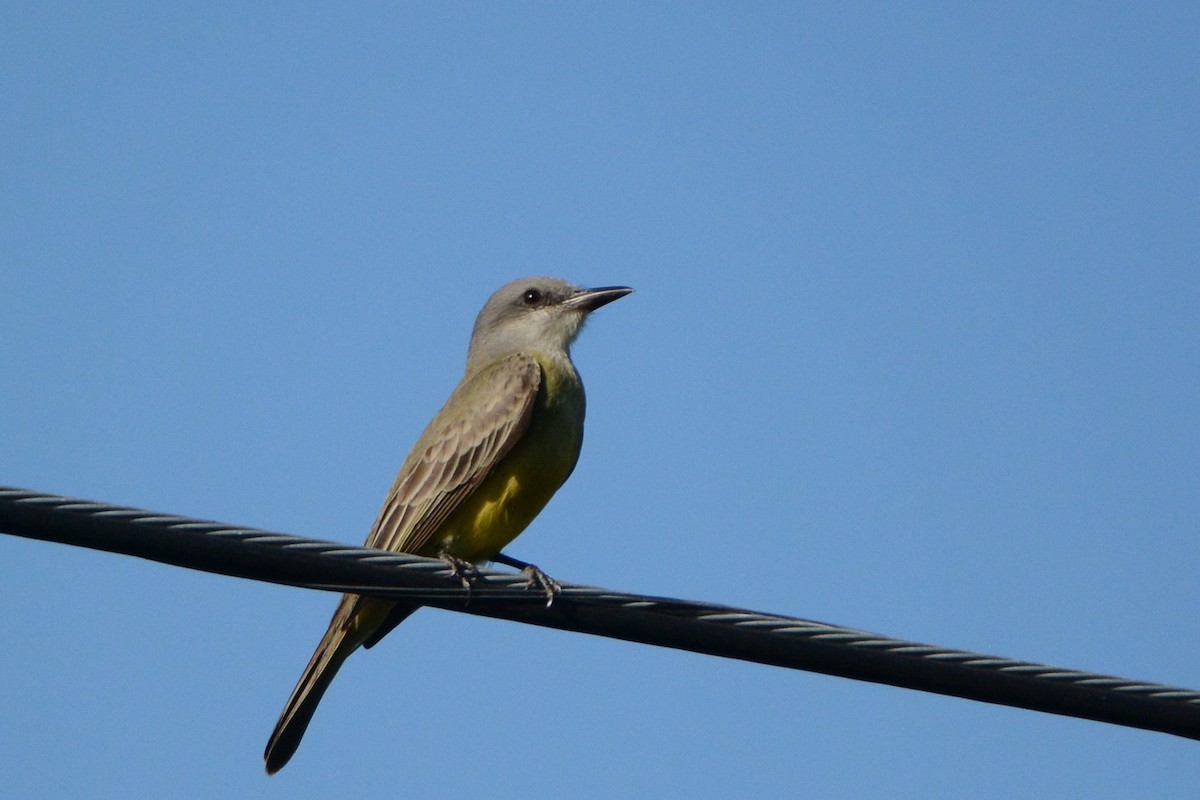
465 571
536 579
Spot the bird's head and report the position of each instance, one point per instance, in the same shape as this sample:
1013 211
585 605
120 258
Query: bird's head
539 314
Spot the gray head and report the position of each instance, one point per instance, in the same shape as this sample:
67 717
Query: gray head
538 314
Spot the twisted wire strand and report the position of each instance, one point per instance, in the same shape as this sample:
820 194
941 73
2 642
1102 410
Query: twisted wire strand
700 627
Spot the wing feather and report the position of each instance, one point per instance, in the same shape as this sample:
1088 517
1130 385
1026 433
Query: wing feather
485 416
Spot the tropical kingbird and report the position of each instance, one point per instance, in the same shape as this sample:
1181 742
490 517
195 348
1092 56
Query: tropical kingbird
485 466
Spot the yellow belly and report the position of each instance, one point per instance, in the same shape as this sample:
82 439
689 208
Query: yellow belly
525 480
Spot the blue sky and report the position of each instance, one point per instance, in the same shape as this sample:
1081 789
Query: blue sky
915 348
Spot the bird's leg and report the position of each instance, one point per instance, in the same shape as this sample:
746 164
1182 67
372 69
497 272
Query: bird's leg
465 571
509 561
535 577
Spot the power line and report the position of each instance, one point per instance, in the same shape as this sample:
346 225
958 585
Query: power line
665 622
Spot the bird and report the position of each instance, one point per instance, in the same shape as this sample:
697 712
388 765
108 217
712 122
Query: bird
487 463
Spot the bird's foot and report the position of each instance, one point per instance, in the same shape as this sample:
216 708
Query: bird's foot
465 571
535 578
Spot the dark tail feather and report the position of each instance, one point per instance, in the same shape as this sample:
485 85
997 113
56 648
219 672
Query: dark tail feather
399 613
357 621
329 656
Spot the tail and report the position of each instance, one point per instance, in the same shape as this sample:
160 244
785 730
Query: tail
330 654
358 621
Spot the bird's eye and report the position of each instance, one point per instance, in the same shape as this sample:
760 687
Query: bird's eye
532 297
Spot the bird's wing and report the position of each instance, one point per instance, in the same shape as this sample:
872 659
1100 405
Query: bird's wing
485 416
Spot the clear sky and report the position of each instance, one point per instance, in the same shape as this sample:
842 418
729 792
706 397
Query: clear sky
915 348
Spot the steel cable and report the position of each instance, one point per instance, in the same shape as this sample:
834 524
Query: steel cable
665 622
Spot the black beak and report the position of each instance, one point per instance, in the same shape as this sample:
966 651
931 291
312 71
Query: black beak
591 299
